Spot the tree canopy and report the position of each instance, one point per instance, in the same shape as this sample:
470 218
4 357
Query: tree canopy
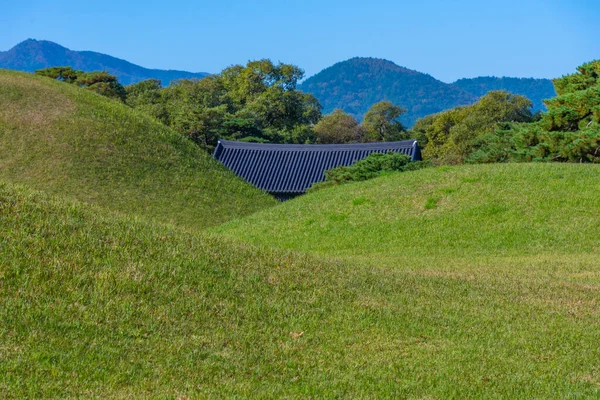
569 131
381 122
255 102
451 135
338 127
100 82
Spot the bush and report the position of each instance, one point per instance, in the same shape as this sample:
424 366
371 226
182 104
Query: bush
374 165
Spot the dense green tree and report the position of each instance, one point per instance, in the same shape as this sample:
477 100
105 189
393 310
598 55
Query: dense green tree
452 135
569 131
147 96
381 122
255 102
100 82
65 74
338 127
577 104
420 128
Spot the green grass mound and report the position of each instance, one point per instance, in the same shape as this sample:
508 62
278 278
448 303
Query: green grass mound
66 140
101 305
468 212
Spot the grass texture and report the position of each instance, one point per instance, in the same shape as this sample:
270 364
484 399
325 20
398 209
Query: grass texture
70 141
95 304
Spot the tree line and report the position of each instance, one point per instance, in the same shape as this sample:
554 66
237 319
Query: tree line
260 102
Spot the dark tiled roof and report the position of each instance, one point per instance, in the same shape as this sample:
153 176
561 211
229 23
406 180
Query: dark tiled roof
293 168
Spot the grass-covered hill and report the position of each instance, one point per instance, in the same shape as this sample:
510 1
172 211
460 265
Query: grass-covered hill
499 267
94 304
66 140
31 55
466 212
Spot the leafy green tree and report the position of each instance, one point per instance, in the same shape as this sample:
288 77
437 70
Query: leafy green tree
147 96
452 135
381 123
420 128
100 82
338 127
577 104
255 102
569 131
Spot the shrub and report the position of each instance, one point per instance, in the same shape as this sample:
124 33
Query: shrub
374 165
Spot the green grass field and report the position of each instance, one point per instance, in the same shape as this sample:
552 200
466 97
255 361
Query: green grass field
455 282
65 140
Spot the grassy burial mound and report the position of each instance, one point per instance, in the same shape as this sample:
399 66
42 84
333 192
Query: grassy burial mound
94 304
62 139
468 212
497 268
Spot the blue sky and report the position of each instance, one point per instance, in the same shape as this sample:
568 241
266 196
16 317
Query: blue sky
447 39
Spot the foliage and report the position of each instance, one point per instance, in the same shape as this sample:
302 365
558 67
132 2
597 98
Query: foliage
65 140
420 128
568 132
100 82
452 135
525 143
258 101
338 127
536 90
376 164
381 123
63 74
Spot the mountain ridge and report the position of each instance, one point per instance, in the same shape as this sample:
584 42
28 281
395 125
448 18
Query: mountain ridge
357 83
32 54
353 85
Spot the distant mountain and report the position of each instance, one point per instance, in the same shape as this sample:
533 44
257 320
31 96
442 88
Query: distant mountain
535 90
31 55
356 84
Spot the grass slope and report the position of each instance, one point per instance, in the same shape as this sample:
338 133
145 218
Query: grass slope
502 210
497 266
62 139
94 304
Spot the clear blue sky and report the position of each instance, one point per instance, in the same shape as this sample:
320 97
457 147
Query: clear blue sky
447 39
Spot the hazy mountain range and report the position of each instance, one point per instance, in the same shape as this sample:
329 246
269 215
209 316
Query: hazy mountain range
352 85
31 55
